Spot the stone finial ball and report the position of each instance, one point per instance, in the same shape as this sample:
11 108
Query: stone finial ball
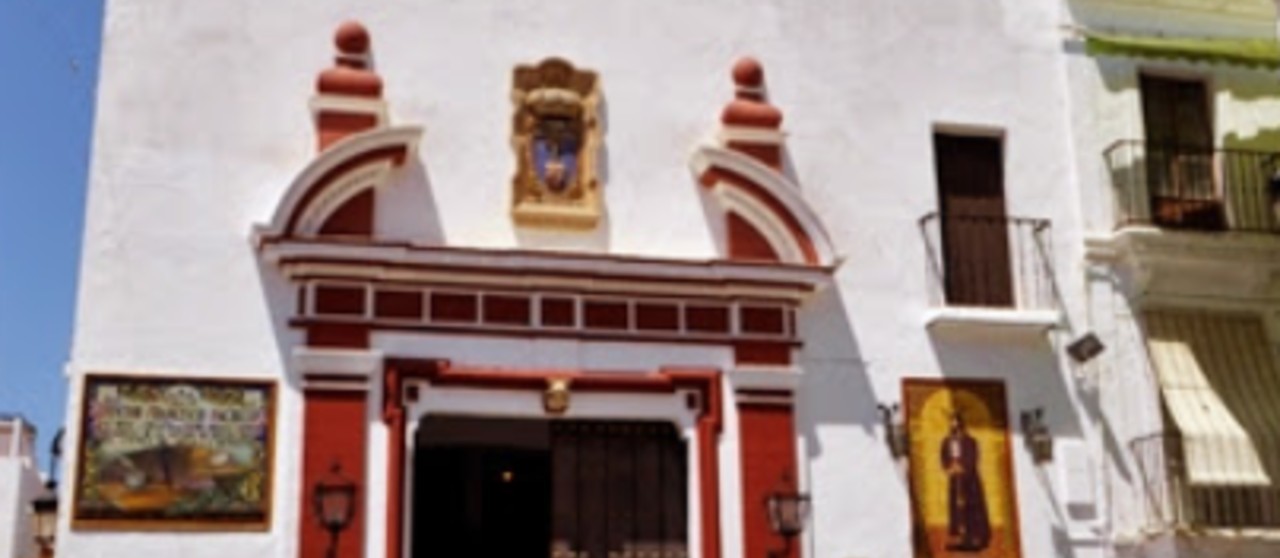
747 72
351 38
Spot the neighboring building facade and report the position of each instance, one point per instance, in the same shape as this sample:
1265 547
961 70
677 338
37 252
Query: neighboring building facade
1175 112
567 279
19 485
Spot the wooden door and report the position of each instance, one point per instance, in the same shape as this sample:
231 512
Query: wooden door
975 229
618 490
1179 154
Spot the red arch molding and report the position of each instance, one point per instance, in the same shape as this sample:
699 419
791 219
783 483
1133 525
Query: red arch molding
780 212
395 153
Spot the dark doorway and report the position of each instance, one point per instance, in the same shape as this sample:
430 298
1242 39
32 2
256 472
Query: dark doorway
537 488
1179 154
481 488
975 228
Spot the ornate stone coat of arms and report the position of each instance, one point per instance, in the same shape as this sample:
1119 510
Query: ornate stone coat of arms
556 136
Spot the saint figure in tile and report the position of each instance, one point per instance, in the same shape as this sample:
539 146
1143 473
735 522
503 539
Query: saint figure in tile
968 527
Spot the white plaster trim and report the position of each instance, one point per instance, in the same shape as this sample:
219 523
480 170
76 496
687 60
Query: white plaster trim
778 400
480 402
353 105
523 269
779 186
970 317
1186 245
587 286
1229 265
337 154
765 377
745 134
312 385
343 362
762 218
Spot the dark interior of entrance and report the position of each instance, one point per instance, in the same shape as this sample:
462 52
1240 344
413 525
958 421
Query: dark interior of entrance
539 488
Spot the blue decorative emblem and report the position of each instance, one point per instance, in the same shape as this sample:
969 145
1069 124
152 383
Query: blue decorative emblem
555 153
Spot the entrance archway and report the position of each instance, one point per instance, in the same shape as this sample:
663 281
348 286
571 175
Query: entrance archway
556 488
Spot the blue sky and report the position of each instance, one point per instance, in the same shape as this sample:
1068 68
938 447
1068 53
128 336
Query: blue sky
49 63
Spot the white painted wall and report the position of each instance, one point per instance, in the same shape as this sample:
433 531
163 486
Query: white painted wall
203 122
19 485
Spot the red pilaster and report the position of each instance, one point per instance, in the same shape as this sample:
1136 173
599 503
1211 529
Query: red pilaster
334 432
768 442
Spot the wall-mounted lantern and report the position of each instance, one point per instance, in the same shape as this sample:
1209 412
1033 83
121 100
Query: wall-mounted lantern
334 501
895 430
1085 348
1037 436
44 512
44 508
788 511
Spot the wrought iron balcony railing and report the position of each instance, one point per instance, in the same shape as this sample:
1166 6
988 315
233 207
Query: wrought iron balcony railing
1196 188
989 261
1174 502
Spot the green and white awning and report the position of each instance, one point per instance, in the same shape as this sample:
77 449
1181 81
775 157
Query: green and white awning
1249 52
1219 382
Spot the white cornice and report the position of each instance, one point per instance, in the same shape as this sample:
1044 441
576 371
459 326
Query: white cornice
1227 248
1194 264
532 269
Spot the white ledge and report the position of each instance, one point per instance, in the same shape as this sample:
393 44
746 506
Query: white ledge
978 318
778 378
336 362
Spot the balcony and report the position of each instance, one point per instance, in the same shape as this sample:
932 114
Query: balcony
1195 189
1173 502
989 270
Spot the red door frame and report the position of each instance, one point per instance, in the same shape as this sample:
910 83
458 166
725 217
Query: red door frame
705 382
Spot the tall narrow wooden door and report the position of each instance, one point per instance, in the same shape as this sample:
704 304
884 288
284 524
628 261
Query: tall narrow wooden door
975 229
1179 154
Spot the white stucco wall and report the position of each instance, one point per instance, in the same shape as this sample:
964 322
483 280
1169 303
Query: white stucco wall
203 122
19 485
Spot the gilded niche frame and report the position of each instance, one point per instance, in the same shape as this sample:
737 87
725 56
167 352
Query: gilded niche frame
213 439
557 139
962 478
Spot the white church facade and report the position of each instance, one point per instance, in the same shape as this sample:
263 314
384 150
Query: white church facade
710 280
